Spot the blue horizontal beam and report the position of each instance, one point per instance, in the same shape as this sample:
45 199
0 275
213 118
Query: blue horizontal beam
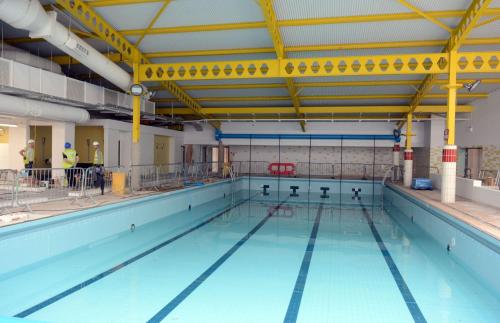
221 135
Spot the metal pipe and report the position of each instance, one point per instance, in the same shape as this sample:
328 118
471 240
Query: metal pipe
219 135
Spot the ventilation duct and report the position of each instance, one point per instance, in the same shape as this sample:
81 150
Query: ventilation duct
24 57
34 109
30 15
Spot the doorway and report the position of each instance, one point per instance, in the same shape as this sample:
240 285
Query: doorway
43 145
161 154
473 162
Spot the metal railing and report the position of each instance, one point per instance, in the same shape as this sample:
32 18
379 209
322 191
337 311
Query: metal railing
7 188
490 177
40 185
317 170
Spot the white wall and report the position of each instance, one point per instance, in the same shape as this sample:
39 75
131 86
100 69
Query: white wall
4 156
472 190
485 121
115 131
204 137
18 138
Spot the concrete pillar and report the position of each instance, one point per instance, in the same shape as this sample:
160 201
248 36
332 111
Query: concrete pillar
395 161
449 174
18 139
408 164
62 132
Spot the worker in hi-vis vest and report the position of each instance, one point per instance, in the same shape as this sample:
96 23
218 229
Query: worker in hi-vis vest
98 166
70 159
28 154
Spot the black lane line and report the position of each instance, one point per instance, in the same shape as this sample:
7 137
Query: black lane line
294 304
114 269
412 305
200 279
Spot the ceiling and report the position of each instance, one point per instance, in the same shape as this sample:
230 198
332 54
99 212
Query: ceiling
226 30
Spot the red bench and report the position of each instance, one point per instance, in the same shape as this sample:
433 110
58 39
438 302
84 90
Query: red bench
281 168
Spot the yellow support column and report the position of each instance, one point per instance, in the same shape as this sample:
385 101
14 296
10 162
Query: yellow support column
136 129
136 106
408 155
449 158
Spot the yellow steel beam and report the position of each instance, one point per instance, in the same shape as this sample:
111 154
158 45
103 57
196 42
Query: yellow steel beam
452 98
425 15
409 133
107 3
431 63
136 104
476 9
274 33
236 86
315 110
484 23
153 21
324 97
326 118
63 59
306 22
94 22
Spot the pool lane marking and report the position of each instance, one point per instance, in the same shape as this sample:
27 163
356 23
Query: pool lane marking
167 309
298 290
114 269
410 301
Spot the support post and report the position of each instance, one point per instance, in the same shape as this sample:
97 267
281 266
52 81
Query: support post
449 159
408 154
136 128
395 161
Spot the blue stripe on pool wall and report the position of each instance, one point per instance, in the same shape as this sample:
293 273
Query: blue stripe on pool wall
412 305
114 269
167 309
298 290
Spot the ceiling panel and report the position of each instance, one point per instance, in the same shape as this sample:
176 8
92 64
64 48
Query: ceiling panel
207 12
246 38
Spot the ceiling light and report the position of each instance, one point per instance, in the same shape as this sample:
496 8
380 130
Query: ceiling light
8 125
472 85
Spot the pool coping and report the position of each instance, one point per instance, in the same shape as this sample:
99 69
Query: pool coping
483 237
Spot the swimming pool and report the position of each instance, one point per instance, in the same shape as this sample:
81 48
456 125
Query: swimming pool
227 252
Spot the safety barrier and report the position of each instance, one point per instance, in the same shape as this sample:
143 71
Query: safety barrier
40 185
7 188
315 170
174 175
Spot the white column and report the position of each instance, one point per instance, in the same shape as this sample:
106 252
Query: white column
395 161
18 139
408 171
449 174
62 132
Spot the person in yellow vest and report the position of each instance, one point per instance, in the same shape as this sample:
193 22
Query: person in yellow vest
98 166
70 159
28 154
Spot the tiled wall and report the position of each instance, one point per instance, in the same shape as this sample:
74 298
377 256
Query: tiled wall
491 157
362 155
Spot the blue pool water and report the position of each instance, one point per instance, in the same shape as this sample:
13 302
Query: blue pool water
272 258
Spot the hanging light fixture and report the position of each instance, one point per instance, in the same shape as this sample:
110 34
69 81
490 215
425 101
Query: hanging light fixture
472 85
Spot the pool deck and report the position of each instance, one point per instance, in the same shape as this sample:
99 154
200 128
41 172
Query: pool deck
482 217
